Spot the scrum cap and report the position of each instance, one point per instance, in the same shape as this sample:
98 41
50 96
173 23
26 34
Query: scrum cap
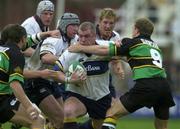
44 5
67 19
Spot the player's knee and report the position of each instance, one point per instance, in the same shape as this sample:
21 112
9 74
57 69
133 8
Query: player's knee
69 113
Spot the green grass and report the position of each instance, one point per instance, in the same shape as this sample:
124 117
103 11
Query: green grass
146 123
133 123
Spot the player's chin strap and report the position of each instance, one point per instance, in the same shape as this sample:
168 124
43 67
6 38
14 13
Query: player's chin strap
65 37
109 123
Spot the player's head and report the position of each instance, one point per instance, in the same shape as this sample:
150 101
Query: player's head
107 21
45 10
87 33
143 27
14 33
68 24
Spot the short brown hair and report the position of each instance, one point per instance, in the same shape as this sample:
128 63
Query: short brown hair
107 13
145 26
87 26
13 33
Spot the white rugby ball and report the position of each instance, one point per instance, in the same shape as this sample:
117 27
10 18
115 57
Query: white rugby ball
76 65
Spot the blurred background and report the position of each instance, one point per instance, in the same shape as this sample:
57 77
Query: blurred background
163 13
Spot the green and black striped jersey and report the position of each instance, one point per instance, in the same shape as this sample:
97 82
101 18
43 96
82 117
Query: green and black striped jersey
32 40
144 57
11 66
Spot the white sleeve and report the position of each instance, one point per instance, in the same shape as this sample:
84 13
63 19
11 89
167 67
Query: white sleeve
29 29
48 46
116 37
64 59
67 58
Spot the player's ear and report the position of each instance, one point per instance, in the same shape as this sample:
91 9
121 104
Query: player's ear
23 41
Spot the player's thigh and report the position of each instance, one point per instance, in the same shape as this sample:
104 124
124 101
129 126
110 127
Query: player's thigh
73 107
50 107
21 117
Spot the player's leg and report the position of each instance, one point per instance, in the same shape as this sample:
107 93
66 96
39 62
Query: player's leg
116 111
160 124
53 110
161 117
40 93
73 108
97 112
162 105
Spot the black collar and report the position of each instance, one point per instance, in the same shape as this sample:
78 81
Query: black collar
41 25
147 37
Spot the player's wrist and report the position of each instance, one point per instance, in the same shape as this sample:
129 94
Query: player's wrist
67 79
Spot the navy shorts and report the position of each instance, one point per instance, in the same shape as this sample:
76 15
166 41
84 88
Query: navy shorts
150 92
8 103
96 109
38 89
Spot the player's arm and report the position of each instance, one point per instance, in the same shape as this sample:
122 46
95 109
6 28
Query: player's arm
101 50
61 66
60 75
117 68
19 93
45 73
37 38
48 58
16 78
48 51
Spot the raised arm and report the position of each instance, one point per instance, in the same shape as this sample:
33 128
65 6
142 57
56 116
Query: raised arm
93 49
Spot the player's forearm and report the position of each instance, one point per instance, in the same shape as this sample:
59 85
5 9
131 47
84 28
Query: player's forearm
96 49
60 77
20 94
49 58
32 73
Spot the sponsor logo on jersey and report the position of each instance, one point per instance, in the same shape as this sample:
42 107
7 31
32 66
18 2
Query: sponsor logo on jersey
92 68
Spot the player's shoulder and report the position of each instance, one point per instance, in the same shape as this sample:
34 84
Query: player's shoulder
29 20
52 40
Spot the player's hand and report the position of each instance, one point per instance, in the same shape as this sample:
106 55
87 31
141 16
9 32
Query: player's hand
47 73
118 43
33 111
55 33
78 77
75 47
118 69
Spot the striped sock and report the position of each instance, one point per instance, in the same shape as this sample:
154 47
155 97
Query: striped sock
109 123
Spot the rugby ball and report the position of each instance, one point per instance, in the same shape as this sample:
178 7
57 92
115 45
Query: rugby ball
76 65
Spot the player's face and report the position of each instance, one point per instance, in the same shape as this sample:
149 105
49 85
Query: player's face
106 26
72 30
23 42
46 17
86 37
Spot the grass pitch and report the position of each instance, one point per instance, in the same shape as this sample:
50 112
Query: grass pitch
131 123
